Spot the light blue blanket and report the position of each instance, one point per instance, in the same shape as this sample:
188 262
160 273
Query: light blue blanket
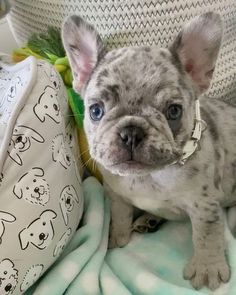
151 263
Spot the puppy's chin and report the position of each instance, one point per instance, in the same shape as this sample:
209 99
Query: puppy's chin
138 168
128 168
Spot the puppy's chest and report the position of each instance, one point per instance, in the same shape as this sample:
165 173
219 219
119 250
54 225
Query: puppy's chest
147 193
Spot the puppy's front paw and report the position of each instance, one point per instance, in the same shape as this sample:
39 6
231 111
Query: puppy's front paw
118 239
201 271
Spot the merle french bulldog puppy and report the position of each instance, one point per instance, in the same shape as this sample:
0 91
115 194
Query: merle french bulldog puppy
143 121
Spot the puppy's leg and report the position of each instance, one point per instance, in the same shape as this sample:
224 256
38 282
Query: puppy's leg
208 264
231 218
147 223
121 220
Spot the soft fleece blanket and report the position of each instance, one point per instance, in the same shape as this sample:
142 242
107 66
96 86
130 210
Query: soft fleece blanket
151 263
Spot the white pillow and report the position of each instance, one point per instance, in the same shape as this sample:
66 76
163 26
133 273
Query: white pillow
41 200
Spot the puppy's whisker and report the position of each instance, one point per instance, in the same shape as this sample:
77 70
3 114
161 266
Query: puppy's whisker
86 163
84 152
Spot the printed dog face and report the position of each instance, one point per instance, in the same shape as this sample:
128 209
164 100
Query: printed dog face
60 153
39 232
21 140
5 217
139 101
31 276
62 243
68 199
8 277
48 106
32 187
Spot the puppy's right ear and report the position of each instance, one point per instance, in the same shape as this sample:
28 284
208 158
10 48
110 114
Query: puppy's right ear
84 48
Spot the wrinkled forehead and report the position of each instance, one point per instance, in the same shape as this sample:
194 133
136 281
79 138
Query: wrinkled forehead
133 73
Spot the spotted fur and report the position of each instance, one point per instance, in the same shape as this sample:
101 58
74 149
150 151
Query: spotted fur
135 87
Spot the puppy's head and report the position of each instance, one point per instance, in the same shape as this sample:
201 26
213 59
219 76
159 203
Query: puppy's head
140 101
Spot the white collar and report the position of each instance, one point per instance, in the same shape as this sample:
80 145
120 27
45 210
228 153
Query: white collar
192 144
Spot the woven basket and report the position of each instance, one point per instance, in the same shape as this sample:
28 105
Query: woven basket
136 22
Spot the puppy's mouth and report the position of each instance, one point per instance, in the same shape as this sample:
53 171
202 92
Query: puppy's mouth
138 167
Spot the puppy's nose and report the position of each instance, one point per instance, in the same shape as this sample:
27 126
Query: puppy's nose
131 136
42 236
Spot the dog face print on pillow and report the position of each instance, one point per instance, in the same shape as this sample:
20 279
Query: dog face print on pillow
5 217
68 199
62 242
8 277
32 187
31 276
48 106
40 232
60 151
21 141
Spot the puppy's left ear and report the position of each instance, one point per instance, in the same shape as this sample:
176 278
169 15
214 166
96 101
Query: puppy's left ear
84 48
197 47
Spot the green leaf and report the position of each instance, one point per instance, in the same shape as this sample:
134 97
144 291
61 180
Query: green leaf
47 43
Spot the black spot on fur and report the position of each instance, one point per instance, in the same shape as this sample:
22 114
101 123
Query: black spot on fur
213 220
144 85
147 49
139 101
104 73
157 64
160 86
206 209
182 83
114 56
105 95
163 54
100 79
217 179
217 155
114 89
205 187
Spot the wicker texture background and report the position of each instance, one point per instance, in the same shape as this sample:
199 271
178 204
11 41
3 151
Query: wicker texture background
135 22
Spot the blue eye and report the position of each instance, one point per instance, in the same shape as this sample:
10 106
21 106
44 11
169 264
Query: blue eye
174 112
96 112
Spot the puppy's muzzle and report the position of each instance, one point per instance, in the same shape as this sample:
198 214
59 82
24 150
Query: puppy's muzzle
131 137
